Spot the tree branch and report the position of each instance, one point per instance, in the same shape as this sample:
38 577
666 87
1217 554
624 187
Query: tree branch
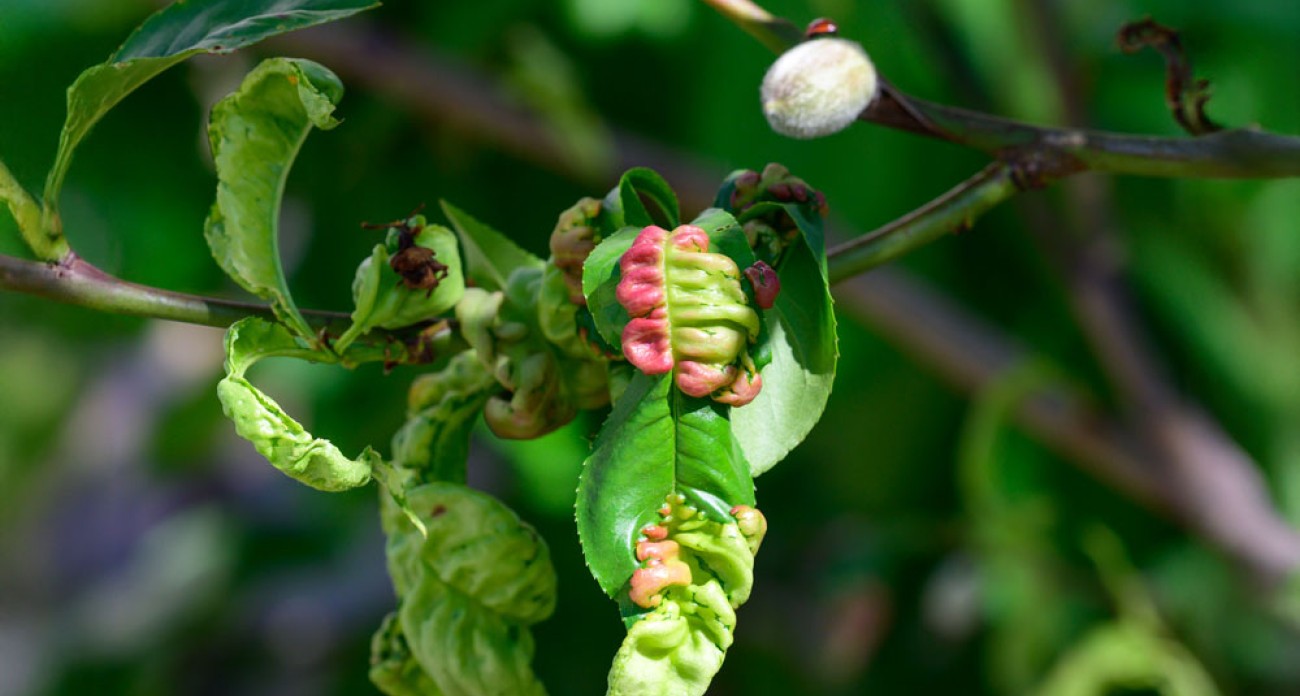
954 211
1237 153
74 281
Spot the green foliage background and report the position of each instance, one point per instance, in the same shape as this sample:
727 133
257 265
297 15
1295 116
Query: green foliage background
918 543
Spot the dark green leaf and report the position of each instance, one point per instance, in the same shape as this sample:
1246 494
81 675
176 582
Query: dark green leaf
600 276
256 134
725 236
433 444
657 442
624 206
170 36
797 383
490 257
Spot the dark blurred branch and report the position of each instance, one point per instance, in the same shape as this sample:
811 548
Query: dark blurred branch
954 211
1219 488
972 356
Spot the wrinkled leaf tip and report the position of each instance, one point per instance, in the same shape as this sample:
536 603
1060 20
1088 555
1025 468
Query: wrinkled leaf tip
322 79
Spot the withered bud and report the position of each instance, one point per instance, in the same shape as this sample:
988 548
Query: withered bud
572 241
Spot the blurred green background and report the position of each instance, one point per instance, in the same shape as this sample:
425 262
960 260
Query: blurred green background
920 543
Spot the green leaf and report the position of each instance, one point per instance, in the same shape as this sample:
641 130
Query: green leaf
256 134
490 257
725 236
657 442
170 36
393 669
704 572
1128 656
382 298
600 276
469 589
252 339
260 420
433 444
798 381
625 205
26 214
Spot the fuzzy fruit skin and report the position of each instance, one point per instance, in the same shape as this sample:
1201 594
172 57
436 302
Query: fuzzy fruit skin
818 88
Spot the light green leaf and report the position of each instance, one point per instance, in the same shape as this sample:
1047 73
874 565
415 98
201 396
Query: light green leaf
393 669
261 421
469 590
170 36
490 257
797 383
676 647
382 298
256 134
1127 655
657 442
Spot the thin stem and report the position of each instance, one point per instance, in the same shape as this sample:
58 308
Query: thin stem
775 33
27 213
954 211
1234 154
74 281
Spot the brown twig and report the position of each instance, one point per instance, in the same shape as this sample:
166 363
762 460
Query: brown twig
77 282
1185 95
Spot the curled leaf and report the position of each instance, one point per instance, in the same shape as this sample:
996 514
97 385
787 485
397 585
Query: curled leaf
171 35
260 420
469 589
696 572
576 233
433 444
255 135
393 669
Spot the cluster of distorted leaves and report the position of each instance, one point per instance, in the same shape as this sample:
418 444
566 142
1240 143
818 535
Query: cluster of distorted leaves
710 340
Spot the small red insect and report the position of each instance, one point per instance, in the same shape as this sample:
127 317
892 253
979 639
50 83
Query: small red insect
821 27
